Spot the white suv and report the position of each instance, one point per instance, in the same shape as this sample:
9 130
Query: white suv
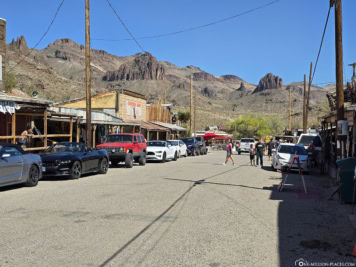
245 144
306 139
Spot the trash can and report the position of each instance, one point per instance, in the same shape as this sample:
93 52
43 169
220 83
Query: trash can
346 170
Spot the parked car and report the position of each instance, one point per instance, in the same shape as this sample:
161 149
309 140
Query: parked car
245 144
306 139
125 147
161 150
285 152
202 143
193 145
181 147
19 167
73 159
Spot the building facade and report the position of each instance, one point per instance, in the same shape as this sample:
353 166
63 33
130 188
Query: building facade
123 104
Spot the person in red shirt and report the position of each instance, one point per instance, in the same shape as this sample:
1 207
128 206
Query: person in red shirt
229 153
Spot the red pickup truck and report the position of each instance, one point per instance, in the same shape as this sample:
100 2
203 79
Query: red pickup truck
125 147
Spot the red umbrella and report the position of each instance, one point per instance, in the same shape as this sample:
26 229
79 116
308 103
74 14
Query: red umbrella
209 136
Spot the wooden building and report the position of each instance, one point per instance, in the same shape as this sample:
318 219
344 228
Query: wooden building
18 114
123 104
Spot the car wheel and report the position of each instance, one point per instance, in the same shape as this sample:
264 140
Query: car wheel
128 160
175 157
142 160
164 157
239 152
33 176
76 170
104 166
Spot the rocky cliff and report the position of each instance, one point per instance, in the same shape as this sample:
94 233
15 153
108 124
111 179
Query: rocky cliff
20 45
144 67
269 81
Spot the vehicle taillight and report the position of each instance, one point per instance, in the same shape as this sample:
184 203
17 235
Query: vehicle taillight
125 149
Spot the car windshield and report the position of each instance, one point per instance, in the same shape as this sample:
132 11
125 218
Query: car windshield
188 140
247 140
292 149
155 143
119 138
305 140
174 143
66 147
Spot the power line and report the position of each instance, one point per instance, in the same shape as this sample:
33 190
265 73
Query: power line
123 24
321 43
49 27
192 28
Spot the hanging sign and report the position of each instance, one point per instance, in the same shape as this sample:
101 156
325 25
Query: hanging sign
133 109
8 107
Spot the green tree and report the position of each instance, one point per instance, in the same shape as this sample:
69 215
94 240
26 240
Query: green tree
255 126
10 82
184 117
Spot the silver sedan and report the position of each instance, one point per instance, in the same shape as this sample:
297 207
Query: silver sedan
19 167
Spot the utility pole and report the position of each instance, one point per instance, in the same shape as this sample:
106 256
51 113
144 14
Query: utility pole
308 96
290 109
195 114
191 104
353 65
339 76
304 104
88 75
339 60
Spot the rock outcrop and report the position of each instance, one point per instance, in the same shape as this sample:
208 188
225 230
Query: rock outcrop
269 81
144 67
230 77
61 55
242 88
203 76
208 92
19 45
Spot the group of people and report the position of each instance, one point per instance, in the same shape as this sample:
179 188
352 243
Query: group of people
256 151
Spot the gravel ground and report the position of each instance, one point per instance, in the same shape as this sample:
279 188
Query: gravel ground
193 212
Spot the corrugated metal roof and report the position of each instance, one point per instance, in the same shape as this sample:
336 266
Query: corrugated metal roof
149 126
169 126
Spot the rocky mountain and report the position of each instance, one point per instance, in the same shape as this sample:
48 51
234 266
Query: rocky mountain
269 81
57 73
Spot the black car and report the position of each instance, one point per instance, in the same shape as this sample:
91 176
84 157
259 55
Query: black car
73 159
193 146
202 144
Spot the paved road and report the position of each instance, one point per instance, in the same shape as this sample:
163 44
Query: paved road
159 215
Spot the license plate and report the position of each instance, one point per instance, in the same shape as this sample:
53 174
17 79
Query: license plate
43 169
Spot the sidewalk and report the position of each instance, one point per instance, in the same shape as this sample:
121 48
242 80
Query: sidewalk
312 227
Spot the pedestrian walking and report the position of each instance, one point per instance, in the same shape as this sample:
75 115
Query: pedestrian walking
270 147
260 148
229 153
252 155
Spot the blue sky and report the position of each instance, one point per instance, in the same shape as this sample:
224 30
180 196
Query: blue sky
282 38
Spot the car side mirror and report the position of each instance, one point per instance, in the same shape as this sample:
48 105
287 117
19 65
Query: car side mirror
5 156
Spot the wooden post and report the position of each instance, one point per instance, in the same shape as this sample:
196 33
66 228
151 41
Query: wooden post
45 127
88 74
78 130
71 130
13 128
195 114
308 97
157 135
290 109
191 103
148 135
94 132
304 104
